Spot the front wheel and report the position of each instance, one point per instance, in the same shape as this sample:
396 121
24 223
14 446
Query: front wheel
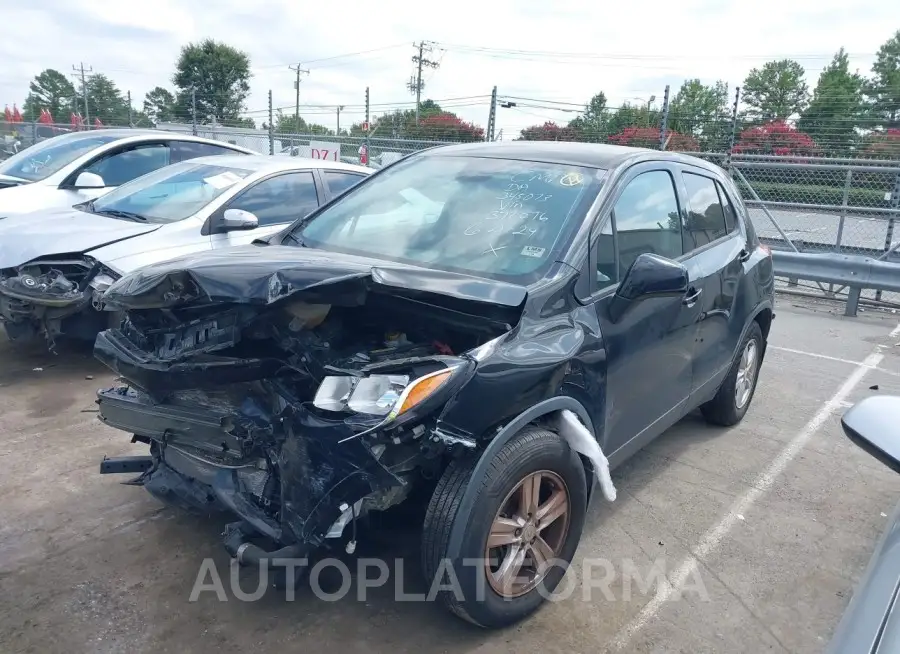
730 404
519 535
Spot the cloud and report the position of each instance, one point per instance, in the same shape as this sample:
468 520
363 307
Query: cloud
630 52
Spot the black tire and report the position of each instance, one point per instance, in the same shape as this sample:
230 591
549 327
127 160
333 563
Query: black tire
723 409
531 450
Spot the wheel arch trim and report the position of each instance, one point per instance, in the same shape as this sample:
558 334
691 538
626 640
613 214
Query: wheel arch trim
506 433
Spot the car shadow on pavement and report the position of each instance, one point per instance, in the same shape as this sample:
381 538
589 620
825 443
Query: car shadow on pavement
32 361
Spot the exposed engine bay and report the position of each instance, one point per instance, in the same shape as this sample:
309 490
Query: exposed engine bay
52 296
300 416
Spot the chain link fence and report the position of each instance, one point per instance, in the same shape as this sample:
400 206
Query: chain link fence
796 202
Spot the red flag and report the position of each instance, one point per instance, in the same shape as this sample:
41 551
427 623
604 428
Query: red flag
45 117
97 123
7 114
17 116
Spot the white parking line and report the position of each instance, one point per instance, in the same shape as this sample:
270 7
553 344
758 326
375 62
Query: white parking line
896 332
712 538
816 355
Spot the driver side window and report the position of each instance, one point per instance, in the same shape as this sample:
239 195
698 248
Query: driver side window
645 218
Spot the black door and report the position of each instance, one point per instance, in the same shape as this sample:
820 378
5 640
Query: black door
648 348
715 249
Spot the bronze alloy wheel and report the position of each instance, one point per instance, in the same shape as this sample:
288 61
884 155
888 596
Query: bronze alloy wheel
527 534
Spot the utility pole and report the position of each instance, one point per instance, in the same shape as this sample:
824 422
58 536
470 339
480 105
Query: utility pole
297 87
130 121
340 107
271 127
80 69
416 84
492 117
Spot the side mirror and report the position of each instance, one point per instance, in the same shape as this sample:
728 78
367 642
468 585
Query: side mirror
238 219
650 275
874 424
89 180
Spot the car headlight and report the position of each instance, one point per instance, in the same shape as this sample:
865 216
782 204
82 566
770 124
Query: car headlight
381 395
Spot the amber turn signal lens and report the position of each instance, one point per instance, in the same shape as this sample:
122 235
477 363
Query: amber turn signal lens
421 389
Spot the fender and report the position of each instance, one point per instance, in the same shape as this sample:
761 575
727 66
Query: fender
512 428
762 306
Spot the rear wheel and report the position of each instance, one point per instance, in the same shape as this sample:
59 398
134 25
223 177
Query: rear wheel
730 404
519 534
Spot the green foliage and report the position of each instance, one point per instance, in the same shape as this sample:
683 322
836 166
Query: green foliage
219 77
884 87
106 101
775 92
159 105
836 107
286 124
49 90
702 111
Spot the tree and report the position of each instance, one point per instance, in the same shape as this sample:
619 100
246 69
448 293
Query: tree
836 107
883 145
593 125
648 137
447 126
776 92
549 131
778 138
106 101
219 77
633 115
884 87
159 105
702 111
286 124
50 90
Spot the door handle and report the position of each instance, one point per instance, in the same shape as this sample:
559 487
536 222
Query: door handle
692 296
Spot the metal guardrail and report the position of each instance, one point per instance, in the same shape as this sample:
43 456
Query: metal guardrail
852 271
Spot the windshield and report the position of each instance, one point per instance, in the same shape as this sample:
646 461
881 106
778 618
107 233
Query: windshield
499 218
170 194
47 157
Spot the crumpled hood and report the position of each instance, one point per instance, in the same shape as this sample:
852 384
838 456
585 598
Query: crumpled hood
259 274
60 231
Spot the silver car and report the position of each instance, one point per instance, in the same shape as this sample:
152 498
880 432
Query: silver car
71 168
55 264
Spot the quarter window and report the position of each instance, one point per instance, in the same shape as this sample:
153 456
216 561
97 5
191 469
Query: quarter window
705 218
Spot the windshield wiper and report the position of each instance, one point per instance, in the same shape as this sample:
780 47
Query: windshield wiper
115 213
296 239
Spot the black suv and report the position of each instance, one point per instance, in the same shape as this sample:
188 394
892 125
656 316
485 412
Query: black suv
490 327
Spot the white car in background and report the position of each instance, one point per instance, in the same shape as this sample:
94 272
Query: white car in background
71 168
55 264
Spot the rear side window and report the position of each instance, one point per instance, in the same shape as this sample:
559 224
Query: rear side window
185 150
705 217
730 214
338 182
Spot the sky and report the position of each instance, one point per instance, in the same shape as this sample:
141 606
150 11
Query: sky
560 53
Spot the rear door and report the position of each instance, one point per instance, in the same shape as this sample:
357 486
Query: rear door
276 201
716 252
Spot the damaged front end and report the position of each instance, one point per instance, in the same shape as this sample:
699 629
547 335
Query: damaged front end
297 412
51 296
